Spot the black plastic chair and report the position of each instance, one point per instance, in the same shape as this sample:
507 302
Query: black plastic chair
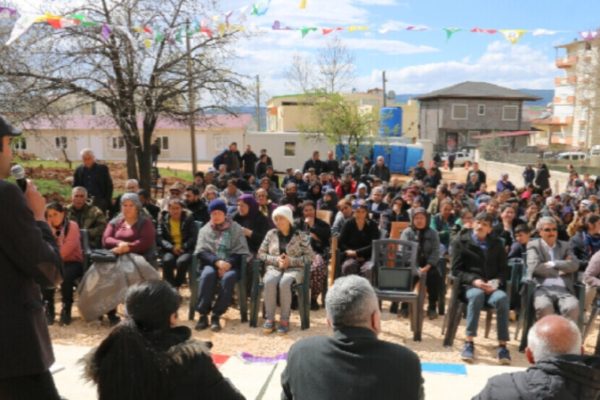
457 305
302 291
85 248
528 311
394 271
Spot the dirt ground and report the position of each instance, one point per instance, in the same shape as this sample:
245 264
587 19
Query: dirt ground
237 337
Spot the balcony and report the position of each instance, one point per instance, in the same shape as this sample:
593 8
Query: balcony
566 62
565 81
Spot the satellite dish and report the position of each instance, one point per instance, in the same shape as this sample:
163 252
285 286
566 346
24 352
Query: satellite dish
391 95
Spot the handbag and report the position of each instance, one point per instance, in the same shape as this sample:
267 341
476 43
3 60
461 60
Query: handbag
103 256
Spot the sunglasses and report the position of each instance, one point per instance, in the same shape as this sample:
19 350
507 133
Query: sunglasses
550 230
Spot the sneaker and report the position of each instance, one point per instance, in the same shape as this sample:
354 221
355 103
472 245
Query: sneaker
269 327
432 313
202 323
314 305
503 355
283 328
468 352
215 326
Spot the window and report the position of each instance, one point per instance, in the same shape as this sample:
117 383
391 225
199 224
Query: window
510 113
118 143
164 142
289 149
60 142
481 110
19 143
459 111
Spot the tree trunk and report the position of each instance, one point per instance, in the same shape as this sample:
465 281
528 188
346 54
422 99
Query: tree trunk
132 172
144 155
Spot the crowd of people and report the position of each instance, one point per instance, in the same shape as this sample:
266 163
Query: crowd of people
239 210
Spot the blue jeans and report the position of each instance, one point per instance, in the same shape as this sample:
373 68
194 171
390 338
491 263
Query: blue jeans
207 288
477 299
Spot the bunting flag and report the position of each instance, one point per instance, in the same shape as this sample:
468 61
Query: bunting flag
260 8
588 35
327 31
106 31
543 32
417 28
451 31
278 26
7 12
21 26
305 30
355 28
513 35
303 4
481 30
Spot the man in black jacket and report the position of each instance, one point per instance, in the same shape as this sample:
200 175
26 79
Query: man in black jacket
315 162
558 371
479 262
353 364
380 170
194 203
249 160
29 258
331 165
95 178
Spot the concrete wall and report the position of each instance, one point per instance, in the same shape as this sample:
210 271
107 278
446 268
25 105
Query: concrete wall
558 180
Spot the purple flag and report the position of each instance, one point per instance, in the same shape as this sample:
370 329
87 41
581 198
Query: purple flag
106 31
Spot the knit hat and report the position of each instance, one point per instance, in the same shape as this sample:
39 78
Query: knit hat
284 211
217 205
133 197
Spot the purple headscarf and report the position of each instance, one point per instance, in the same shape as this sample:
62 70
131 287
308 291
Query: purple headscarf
252 204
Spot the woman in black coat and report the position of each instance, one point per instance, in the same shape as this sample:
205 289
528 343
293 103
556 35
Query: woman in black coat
148 357
356 242
176 238
255 224
542 178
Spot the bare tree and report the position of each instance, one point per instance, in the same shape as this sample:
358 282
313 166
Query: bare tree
335 65
300 74
136 68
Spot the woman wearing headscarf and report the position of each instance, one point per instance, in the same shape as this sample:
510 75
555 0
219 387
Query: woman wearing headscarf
265 205
284 251
356 242
542 178
255 225
396 213
67 238
132 231
149 357
314 192
329 202
221 247
428 255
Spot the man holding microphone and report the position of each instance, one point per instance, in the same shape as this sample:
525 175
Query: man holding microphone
29 258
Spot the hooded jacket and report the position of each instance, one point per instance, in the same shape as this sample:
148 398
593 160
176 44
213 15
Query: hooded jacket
566 377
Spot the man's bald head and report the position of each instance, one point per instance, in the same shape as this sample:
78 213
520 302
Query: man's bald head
553 336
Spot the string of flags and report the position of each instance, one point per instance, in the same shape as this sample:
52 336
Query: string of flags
221 24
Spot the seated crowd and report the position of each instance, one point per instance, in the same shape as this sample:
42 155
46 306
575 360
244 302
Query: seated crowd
238 211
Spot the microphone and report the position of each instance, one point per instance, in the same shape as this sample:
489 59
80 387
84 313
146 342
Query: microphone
18 172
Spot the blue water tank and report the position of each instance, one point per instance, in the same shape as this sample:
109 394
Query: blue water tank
390 121
397 159
413 156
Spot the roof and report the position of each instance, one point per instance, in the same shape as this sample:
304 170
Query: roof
478 90
504 134
91 122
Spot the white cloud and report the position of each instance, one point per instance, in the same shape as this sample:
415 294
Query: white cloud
515 66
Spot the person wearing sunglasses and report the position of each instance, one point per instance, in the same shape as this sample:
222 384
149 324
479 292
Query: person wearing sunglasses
553 265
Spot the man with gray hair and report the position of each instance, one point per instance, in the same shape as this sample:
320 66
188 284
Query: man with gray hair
87 216
559 370
553 266
380 170
95 178
353 364
376 204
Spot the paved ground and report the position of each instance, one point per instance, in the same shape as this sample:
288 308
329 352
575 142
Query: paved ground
262 381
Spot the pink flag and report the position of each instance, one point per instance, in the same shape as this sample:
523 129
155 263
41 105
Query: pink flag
481 30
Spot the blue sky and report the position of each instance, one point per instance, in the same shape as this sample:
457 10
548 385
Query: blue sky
418 62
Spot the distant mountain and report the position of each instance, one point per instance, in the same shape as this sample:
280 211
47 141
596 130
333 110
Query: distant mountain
546 94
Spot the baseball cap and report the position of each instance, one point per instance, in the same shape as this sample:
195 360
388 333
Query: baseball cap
6 129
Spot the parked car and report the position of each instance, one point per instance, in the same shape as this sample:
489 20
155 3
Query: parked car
572 156
462 157
595 151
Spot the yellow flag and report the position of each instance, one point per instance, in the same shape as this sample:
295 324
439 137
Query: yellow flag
303 4
513 35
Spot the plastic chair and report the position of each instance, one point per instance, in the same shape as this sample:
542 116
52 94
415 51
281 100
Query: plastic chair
528 311
457 305
85 248
591 319
394 270
302 291
194 272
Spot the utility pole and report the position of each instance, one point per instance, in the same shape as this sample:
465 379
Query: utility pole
258 102
191 97
384 89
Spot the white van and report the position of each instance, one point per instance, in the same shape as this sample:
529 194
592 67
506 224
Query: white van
595 151
572 156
